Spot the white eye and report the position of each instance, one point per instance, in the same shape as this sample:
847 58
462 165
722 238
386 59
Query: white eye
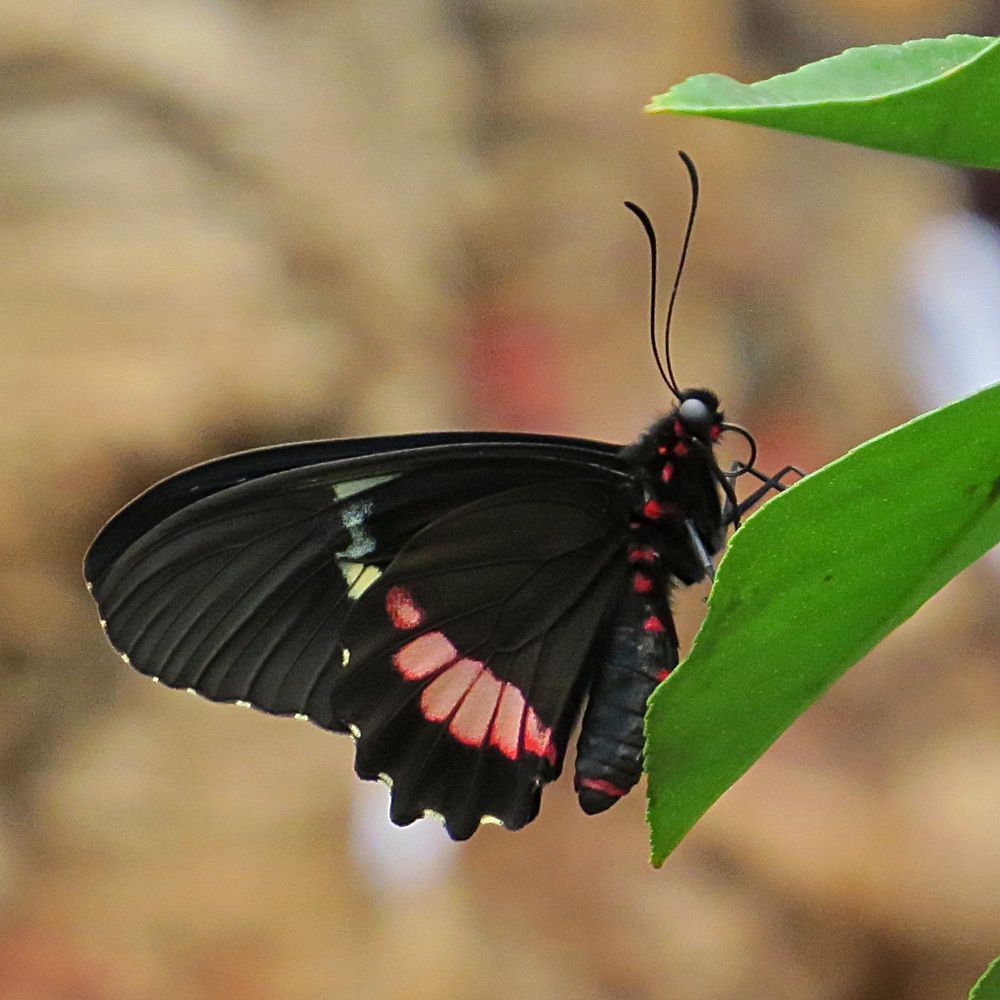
695 416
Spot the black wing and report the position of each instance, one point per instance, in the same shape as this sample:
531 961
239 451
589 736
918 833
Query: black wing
235 578
467 661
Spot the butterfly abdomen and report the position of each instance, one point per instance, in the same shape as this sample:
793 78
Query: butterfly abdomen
640 650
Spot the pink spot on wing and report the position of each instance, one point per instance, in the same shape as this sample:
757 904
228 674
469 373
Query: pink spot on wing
424 656
506 732
668 471
403 610
653 624
538 738
445 693
471 722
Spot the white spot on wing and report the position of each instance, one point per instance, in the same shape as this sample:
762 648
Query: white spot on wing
243 704
386 780
345 656
125 659
488 820
354 731
355 518
344 490
301 716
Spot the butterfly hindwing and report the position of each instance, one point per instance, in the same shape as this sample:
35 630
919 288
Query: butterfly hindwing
468 658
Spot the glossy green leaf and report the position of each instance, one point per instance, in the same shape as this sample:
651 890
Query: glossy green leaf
936 97
988 985
811 583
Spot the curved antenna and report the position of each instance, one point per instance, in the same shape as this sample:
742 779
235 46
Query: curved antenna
651 236
693 175
748 437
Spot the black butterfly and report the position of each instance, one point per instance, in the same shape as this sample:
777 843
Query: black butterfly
450 600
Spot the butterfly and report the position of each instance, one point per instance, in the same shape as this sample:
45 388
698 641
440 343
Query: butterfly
449 600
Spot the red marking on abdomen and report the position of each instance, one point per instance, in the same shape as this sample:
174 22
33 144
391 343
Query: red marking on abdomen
600 785
641 583
404 612
653 624
424 656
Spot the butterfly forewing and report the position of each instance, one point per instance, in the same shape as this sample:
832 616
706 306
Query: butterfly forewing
237 584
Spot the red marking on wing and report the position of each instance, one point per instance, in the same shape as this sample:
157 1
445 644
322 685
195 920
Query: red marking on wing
668 471
680 448
404 612
653 624
445 693
424 656
600 785
471 722
641 583
678 428
538 738
663 674
477 705
662 449
506 732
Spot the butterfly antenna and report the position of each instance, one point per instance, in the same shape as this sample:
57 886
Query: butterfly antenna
651 236
693 175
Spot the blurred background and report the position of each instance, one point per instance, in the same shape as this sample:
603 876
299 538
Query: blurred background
227 224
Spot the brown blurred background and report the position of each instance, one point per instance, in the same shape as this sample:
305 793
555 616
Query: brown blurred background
228 224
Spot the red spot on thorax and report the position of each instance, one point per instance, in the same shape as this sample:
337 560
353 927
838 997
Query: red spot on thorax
403 610
641 583
652 510
653 624
642 554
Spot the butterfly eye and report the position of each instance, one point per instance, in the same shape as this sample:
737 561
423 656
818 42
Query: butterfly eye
696 417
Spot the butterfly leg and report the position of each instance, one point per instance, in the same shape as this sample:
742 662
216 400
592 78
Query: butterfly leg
770 484
699 547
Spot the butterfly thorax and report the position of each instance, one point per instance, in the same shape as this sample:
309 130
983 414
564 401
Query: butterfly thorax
675 484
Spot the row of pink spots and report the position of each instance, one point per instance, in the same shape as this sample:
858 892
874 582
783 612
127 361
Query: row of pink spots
477 706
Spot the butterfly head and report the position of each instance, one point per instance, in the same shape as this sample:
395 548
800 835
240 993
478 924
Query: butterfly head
699 415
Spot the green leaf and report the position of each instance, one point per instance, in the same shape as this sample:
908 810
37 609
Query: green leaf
936 97
988 985
808 586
